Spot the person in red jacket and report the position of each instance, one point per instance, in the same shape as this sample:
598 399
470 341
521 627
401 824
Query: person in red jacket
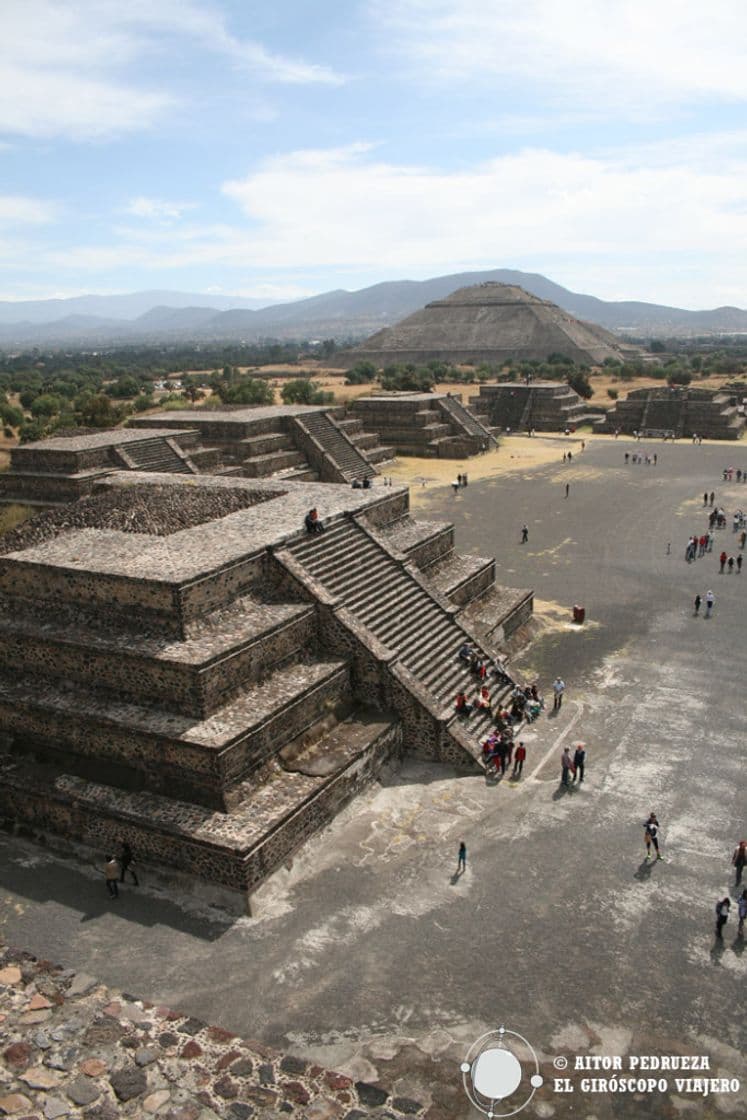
722 561
519 756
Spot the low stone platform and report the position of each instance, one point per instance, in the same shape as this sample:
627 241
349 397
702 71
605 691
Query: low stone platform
72 1048
675 412
546 406
427 424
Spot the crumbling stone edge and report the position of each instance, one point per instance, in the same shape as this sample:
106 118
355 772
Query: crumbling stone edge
72 1047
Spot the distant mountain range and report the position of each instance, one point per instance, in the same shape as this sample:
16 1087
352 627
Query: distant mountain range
162 316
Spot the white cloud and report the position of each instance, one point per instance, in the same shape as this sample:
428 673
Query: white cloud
593 53
157 209
18 210
651 223
70 69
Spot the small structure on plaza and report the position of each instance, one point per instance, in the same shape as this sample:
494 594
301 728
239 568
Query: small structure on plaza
545 406
489 323
185 668
430 424
300 442
676 412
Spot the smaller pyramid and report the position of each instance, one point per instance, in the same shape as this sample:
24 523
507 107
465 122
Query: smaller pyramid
489 322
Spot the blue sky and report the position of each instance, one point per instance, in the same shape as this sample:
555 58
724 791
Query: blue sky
279 150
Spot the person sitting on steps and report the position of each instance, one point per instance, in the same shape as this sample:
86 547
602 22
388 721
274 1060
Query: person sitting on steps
312 522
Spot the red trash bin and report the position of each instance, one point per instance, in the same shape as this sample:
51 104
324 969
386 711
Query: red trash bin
579 613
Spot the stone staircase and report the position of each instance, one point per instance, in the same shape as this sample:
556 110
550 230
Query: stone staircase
465 421
396 609
157 456
338 446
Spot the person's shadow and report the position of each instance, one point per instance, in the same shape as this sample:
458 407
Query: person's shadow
717 950
457 875
561 791
643 873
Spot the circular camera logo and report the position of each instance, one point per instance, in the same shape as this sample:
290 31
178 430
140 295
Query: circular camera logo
491 1072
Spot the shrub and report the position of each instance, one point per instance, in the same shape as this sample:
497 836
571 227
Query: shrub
613 394
305 391
250 390
579 381
361 374
679 377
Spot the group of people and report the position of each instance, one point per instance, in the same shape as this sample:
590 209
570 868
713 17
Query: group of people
460 481
115 869
364 484
639 457
730 474
572 765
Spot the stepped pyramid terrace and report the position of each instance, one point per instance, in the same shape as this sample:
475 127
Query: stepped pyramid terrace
424 424
488 323
291 442
183 667
709 413
546 406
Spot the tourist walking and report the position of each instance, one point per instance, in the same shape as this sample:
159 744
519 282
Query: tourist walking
127 863
651 836
462 858
579 761
739 563
712 497
730 564
697 604
738 860
722 915
524 534
558 687
722 561
519 757
567 488
710 600
742 912
566 765
111 872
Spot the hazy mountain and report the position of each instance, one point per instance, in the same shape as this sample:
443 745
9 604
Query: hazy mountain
128 306
179 316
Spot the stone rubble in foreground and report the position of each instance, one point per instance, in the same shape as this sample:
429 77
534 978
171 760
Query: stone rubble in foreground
74 1048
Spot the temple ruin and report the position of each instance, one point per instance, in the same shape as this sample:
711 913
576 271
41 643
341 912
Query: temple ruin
183 667
288 442
545 406
675 412
424 424
489 323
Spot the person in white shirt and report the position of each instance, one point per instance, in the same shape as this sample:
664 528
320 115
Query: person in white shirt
558 687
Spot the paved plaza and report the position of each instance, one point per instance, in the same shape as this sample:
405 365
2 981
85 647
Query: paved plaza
372 957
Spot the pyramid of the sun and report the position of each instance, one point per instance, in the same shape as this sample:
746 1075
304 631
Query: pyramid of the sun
489 322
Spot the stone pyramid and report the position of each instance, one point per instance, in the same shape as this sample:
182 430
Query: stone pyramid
489 322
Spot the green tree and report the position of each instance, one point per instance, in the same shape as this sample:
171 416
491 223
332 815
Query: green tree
250 390
361 373
46 405
579 381
305 391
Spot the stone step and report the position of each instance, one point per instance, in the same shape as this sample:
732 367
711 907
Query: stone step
261 466
461 578
380 454
237 849
146 747
196 676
